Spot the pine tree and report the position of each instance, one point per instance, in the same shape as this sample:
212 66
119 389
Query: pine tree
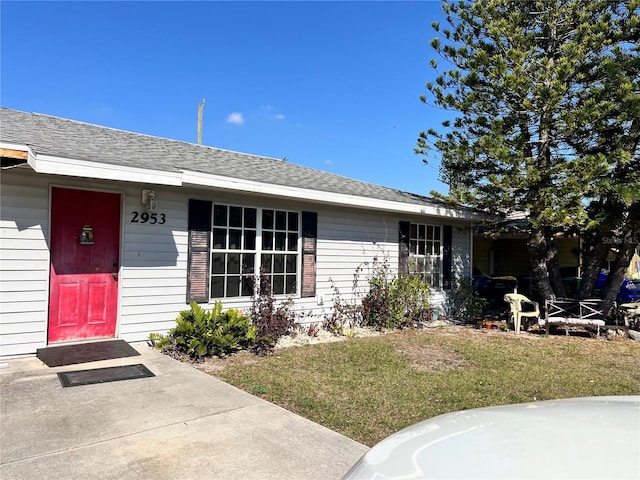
546 98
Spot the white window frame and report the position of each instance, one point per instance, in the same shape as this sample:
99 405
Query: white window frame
426 252
257 253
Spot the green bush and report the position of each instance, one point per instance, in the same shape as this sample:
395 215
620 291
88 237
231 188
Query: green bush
200 333
396 303
464 304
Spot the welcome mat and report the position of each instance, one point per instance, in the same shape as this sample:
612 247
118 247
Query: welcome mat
103 375
85 352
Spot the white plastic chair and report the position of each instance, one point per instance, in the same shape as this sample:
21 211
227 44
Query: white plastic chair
516 303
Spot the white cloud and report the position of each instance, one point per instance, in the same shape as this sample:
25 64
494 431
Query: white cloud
328 162
280 116
235 118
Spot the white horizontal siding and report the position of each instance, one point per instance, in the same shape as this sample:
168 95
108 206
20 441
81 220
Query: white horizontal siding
153 278
24 263
348 242
153 261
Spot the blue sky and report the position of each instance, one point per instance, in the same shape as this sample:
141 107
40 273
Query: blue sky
330 85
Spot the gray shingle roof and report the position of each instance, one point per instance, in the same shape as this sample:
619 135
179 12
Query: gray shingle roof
65 138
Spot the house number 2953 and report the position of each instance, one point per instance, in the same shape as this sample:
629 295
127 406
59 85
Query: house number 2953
144 217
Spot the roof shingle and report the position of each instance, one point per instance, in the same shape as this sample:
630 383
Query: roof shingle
65 138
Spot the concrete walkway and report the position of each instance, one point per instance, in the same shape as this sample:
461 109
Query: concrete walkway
182 424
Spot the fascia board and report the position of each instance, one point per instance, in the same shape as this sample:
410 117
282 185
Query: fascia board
81 168
31 157
329 198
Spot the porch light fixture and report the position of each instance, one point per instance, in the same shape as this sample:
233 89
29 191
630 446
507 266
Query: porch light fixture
149 200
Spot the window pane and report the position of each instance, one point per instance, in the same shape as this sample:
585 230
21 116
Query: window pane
421 232
428 265
421 246
436 233
235 216
278 263
217 287
218 263
436 266
291 263
247 286
220 215
249 240
281 220
234 239
248 263
267 219
292 242
293 221
280 241
413 246
429 248
267 240
267 263
414 231
430 232
250 218
219 238
233 286
290 285
278 284
233 263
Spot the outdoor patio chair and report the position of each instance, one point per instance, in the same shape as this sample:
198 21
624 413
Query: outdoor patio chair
517 312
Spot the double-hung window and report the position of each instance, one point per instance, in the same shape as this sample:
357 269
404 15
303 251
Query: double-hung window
245 237
280 245
425 252
233 253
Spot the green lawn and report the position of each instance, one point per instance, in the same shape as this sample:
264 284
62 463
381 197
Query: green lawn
368 388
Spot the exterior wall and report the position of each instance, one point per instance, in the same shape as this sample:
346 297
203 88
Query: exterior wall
24 264
153 261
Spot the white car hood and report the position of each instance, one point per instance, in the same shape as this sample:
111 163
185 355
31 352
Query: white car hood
581 438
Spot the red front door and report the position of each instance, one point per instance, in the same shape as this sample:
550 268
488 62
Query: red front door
85 249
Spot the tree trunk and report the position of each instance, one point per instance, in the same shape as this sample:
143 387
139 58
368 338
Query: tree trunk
537 246
594 254
553 265
617 273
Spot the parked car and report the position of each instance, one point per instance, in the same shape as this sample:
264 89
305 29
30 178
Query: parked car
629 291
568 439
493 288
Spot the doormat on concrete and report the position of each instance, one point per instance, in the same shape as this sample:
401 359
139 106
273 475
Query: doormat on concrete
85 352
103 375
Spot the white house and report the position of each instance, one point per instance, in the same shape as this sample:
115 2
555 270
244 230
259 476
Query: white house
107 233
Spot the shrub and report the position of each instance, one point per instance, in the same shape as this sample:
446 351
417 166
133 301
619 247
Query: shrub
390 302
464 304
200 333
396 303
271 321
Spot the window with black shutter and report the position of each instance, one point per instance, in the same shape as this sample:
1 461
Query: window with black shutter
229 245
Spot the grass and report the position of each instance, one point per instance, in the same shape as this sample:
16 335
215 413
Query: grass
368 388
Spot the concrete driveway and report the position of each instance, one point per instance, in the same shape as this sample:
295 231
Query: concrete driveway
181 424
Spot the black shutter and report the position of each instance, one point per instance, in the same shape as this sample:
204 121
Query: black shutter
309 247
199 250
447 256
403 248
